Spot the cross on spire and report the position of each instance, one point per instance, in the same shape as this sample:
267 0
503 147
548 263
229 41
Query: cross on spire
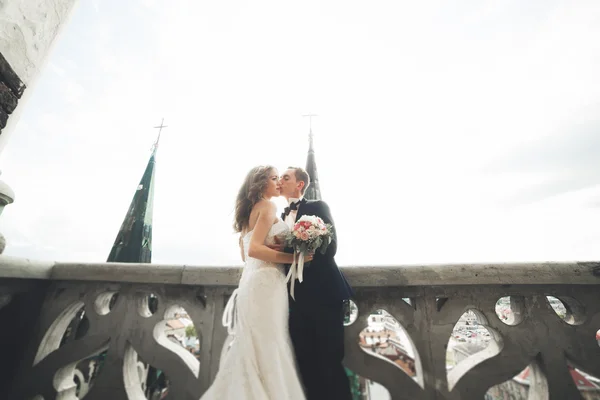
310 133
310 117
160 128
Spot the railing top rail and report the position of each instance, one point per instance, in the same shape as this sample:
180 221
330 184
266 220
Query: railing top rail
538 273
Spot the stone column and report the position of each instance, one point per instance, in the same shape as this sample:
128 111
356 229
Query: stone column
7 196
28 30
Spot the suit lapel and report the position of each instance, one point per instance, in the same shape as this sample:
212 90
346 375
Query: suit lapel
301 209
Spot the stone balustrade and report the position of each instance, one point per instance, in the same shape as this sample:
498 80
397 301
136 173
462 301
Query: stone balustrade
57 317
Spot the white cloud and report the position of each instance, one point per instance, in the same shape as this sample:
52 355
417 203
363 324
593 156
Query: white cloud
56 69
73 92
414 100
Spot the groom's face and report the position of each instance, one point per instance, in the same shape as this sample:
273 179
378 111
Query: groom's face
289 184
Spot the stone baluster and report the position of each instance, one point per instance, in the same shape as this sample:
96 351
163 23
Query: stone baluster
128 335
125 335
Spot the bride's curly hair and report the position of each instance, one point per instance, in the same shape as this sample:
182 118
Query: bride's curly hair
249 194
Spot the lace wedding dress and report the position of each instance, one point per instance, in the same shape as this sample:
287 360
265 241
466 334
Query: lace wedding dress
257 362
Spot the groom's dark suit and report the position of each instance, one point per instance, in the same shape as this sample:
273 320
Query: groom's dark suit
317 317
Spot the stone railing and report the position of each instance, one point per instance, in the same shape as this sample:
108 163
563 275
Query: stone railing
48 343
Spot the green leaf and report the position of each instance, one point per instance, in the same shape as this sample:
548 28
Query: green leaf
190 331
318 242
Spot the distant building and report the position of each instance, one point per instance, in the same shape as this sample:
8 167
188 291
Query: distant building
385 337
518 387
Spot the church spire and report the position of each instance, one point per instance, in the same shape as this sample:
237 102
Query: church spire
134 240
313 192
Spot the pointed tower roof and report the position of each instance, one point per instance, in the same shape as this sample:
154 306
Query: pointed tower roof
313 192
134 240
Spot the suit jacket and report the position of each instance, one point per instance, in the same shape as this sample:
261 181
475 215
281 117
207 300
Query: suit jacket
323 282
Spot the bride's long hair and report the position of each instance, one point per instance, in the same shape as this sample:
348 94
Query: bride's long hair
249 194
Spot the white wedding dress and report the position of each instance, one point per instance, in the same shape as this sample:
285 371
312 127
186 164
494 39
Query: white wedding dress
257 361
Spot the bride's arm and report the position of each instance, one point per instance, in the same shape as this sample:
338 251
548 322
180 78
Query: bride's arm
257 249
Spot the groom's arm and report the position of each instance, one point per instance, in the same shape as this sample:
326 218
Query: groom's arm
325 213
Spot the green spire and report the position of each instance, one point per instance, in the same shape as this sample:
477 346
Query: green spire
134 240
313 192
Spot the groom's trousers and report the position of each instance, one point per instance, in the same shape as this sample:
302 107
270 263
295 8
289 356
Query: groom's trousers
317 333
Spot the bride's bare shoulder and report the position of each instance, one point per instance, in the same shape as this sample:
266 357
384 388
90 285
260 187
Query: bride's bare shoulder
266 205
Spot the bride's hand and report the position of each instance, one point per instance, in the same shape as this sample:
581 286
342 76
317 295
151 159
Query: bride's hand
309 257
278 245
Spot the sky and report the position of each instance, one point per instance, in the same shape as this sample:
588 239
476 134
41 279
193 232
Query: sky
446 132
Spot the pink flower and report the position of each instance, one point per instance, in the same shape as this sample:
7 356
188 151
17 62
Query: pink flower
304 235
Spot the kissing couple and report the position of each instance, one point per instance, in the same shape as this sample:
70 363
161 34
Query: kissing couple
279 347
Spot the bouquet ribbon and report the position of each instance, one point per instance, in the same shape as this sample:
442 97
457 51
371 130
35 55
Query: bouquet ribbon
296 272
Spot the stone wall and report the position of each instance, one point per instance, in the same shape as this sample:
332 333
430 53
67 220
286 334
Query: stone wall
20 304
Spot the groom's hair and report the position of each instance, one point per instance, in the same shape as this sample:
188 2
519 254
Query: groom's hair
301 175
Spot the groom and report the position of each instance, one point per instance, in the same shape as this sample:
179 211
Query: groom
317 314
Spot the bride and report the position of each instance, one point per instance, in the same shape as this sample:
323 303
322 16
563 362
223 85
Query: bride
257 362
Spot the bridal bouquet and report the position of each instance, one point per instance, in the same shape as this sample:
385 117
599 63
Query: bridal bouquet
309 235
